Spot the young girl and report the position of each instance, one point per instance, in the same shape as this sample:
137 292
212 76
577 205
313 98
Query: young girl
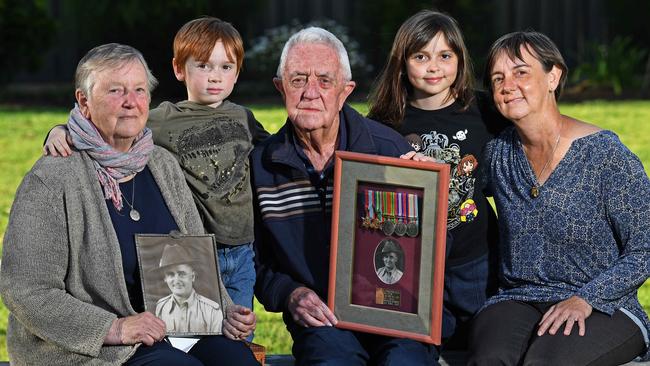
429 73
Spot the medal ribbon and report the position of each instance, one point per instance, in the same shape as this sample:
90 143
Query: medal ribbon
415 209
400 206
379 205
369 204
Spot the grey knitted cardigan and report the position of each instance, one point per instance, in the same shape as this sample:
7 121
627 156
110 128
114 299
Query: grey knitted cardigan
61 275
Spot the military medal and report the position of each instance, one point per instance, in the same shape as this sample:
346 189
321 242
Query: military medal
387 226
412 229
366 220
400 226
375 222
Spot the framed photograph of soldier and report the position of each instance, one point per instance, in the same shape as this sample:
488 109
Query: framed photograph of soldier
388 245
180 282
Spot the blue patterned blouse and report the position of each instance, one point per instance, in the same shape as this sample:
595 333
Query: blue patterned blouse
586 234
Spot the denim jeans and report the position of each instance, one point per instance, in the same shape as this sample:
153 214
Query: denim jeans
467 286
238 272
211 350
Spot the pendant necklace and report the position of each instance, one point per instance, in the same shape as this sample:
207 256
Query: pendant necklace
133 213
534 189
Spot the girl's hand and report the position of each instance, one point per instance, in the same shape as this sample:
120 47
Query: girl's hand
416 156
58 142
240 322
570 311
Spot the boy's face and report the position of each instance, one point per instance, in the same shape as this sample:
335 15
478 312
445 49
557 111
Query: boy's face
209 82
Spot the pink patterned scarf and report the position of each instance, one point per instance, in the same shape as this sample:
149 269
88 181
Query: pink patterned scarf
111 165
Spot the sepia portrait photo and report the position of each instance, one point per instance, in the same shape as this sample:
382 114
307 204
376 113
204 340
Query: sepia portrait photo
180 282
389 261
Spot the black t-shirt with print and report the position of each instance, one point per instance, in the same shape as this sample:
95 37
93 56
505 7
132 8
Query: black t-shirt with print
457 137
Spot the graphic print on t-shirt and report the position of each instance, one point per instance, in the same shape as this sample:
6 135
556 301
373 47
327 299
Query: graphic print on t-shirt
216 154
462 208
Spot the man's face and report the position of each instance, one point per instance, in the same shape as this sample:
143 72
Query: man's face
180 278
313 87
390 260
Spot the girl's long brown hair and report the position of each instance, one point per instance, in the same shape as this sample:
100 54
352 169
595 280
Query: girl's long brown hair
391 91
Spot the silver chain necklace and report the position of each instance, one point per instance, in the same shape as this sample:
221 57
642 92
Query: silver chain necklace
133 213
534 189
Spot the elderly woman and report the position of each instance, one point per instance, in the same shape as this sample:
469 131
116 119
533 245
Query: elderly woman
575 238
69 267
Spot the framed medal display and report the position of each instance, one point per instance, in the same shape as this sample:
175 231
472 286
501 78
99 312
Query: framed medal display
388 245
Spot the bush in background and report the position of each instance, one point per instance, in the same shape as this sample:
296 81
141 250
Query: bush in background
612 67
22 50
263 56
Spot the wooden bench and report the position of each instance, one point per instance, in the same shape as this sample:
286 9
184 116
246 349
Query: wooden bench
453 358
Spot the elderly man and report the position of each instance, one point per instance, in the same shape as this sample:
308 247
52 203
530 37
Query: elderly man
184 310
292 176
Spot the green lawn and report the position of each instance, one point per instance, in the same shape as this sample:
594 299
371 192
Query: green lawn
22 132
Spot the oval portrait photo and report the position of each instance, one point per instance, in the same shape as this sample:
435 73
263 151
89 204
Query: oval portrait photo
389 261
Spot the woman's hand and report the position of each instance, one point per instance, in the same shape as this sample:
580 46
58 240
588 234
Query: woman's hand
240 322
141 328
58 142
570 311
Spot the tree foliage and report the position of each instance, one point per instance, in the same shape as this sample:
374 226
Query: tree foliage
26 33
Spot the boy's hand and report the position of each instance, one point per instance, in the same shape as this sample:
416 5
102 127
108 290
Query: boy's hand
240 322
58 142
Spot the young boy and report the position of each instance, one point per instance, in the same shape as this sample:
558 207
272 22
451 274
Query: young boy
211 138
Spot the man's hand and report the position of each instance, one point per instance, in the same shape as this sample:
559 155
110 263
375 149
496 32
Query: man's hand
570 311
308 310
141 328
240 322
416 156
58 142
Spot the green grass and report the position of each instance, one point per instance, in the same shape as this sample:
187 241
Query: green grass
22 132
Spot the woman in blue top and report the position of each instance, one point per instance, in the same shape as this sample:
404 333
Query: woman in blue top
574 235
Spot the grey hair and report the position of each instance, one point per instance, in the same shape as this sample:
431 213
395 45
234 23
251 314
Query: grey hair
317 35
108 56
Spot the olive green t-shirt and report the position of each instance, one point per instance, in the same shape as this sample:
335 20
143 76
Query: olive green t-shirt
212 147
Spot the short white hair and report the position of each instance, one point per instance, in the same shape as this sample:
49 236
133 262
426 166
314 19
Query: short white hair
108 56
321 36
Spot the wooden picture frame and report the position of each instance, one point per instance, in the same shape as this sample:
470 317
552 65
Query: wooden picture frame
177 269
389 225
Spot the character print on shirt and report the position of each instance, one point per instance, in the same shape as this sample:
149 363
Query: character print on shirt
460 135
467 165
462 208
216 154
468 211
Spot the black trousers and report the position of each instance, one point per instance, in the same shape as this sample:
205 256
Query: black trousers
506 334
210 350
